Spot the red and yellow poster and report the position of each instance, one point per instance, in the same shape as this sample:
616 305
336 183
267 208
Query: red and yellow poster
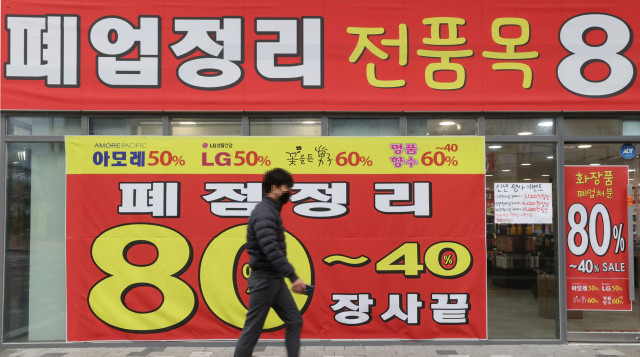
597 229
389 230
323 55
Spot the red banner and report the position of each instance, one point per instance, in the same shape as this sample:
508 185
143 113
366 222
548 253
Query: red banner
598 238
359 55
154 254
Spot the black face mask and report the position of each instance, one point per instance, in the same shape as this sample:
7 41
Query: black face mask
284 198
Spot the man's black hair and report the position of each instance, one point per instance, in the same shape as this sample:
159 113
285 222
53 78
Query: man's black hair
276 177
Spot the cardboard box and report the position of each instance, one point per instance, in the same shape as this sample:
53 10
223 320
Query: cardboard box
547 299
574 314
508 260
547 305
511 243
529 244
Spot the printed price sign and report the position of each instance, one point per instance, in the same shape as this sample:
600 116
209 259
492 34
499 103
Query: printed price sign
156 249
598 238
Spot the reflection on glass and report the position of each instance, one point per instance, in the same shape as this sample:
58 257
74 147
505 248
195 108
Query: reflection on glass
364 127
125 126
534 126
30 125
34 294
625 125
453 126
285 127
521 270
206 127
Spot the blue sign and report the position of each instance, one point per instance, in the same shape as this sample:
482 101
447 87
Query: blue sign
627 151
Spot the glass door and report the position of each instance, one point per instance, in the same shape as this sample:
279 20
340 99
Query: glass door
521 256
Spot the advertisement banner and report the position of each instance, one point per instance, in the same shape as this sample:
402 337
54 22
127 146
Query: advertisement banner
598 237
390 231
358 55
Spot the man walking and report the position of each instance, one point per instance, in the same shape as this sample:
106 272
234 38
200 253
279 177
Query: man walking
269 267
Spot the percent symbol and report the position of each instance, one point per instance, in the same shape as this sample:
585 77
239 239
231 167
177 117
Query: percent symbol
366 161
177 160
448 260
264 160
617 235
451 161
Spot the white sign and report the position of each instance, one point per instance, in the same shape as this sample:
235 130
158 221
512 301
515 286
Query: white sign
523 203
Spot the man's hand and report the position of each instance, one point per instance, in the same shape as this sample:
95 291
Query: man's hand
298 286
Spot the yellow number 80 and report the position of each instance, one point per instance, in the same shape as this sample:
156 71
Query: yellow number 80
174 255
106 298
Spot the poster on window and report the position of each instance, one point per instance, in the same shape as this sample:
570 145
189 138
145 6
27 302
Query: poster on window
598 238
324 55
389 230
519 202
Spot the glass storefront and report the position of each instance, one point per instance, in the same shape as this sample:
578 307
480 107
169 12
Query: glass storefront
27 125
125 126
34 290
609 324
523 261
442 126
284 126
195 126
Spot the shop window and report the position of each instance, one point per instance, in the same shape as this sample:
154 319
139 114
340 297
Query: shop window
43 125
626 125
521 127
34 291
609 154
364 127
521 251
442 126
206 127
125 126
285 127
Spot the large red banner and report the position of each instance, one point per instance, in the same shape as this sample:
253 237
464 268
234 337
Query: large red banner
359 55
598 238
156 231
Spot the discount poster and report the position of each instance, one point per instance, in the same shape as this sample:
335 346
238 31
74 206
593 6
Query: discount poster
598 238
389 230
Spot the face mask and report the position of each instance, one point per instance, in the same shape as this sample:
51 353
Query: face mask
285 197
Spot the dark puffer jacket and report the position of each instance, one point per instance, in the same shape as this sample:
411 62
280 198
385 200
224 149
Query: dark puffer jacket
265 240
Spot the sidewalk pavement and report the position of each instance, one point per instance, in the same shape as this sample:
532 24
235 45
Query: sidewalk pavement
330 348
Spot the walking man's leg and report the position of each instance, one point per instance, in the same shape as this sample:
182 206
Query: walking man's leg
262 292
287 310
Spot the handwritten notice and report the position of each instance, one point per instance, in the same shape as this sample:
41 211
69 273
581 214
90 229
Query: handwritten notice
523 203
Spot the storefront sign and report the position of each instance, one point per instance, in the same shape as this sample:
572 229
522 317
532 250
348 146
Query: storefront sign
359 55
523 203
389 230
598 238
